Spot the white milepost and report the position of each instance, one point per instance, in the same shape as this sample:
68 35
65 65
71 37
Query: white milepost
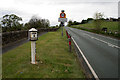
32 36
33 61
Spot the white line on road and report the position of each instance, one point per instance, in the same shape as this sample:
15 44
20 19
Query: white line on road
109 44
106 37
99 35
90 67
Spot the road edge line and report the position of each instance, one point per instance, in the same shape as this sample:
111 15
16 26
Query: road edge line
90 67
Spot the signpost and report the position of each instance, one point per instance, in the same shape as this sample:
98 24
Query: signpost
62 19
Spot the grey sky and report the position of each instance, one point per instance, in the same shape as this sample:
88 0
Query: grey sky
50 9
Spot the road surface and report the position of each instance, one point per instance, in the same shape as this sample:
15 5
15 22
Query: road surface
100 51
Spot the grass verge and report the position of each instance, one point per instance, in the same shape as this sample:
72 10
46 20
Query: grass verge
53 56
111 26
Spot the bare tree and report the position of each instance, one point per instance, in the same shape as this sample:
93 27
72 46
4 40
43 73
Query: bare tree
98 20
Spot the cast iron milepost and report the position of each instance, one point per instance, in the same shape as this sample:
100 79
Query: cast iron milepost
32 36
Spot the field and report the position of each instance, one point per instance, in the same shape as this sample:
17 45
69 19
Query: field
52 54
112 26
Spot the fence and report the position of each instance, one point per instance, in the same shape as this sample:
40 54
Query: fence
9 37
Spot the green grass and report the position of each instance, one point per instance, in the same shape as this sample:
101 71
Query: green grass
55 60
110 25
113 26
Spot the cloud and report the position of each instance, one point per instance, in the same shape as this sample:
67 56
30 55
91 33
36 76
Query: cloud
50 9
119 9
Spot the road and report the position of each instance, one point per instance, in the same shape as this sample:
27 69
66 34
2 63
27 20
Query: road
100 51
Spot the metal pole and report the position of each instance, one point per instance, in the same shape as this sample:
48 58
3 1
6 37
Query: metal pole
62 31
62 23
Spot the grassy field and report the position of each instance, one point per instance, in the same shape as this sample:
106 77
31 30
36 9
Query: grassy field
113 26
53 56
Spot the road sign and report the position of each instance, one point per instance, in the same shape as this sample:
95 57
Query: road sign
62 19
62 15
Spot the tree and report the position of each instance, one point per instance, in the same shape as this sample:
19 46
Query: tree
75 23
33 22
98 20
84 21
57 26
98 15
89 19
0 28
37 22
47 23
69 23
11 22
43 23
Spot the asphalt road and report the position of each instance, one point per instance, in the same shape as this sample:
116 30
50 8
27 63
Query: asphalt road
100 51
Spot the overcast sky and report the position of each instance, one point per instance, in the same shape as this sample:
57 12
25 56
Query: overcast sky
75 10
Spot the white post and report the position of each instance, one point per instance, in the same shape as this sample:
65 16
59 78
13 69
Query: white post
33 38
33 53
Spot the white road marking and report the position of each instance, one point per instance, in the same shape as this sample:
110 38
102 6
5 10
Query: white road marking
100 35
90 67
109 44
107 37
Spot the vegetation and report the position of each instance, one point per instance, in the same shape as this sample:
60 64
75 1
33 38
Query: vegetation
99 24
73 23
54 26
37 22
0 28
70 22
98 20
53 56
12 23
111 26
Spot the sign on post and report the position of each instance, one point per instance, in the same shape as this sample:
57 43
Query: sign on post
62 19
62 15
